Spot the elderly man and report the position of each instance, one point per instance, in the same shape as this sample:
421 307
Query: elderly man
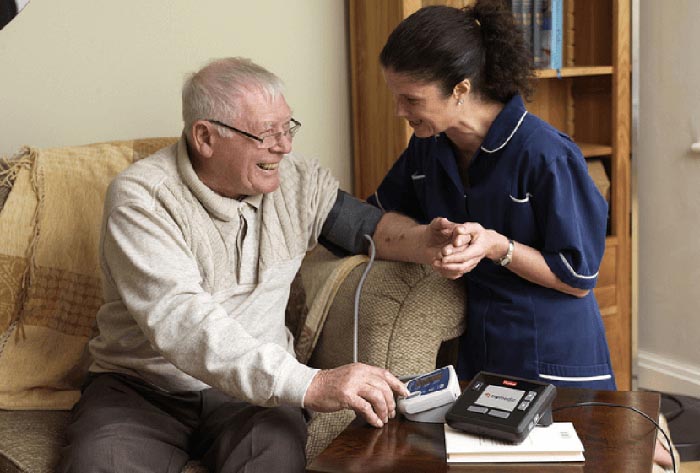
200 243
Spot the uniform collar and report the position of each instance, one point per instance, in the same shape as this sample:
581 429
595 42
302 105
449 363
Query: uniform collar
223 208
505 126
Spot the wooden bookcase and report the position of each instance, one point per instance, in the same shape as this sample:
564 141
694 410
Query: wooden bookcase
590 101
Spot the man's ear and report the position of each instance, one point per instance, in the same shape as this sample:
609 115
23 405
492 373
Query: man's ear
462 89
202 139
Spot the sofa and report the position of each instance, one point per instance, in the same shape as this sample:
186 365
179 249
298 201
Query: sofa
50 209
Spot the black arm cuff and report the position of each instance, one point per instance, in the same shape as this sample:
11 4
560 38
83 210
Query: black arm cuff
349 221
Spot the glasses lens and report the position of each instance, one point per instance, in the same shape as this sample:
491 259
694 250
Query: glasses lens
271 140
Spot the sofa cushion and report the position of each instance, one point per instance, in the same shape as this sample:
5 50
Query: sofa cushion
49 271
320 278
31 440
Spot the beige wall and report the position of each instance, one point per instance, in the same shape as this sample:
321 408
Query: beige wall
81 71
668 197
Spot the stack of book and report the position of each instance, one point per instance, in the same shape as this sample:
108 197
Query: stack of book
542 24
556 443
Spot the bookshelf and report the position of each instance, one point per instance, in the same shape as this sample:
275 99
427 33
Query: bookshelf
588 98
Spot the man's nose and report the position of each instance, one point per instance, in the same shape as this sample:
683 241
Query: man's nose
283 144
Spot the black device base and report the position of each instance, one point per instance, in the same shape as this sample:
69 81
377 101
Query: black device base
502 407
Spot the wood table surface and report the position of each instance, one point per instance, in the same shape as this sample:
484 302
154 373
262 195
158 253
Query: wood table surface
615 440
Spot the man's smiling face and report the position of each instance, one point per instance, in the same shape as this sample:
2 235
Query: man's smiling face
245 168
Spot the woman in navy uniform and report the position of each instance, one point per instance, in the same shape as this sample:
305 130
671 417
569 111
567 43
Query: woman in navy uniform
534 221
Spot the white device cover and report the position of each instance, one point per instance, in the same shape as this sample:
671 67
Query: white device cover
443 397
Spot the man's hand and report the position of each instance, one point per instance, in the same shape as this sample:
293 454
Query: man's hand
365 389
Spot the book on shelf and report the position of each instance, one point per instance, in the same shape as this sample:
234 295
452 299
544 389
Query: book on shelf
526 21
558 442
548 33
516 7
538 25
523 16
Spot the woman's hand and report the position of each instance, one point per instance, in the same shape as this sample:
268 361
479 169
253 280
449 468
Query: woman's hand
470 243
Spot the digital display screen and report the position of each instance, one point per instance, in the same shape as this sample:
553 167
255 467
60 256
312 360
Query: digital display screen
424 381
498 397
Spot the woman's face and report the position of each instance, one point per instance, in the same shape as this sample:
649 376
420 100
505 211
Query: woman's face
423 104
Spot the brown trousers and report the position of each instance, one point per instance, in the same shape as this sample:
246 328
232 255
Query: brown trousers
122 424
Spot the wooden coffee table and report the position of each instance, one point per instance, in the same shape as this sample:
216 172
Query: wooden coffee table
615 440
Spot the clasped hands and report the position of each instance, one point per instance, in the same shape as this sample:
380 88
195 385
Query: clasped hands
456 248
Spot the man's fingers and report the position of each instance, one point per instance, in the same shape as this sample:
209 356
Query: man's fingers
376 397
368 390
388 395
454 270
451 249
379 393
395 384
461 266
441 222
364 408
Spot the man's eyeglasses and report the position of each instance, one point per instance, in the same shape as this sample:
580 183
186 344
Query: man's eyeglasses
266 141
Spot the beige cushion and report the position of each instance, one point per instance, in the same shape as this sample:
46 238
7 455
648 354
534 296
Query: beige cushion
49 271
320 277
31 440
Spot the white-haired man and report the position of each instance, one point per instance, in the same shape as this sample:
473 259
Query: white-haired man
200 243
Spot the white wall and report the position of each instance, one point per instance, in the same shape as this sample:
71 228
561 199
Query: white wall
82 71
668 197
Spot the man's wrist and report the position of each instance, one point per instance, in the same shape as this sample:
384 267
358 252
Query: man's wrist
316 377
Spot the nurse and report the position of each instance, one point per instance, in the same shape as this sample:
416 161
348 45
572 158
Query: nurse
535 223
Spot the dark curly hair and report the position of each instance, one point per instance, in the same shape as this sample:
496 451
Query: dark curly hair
446 45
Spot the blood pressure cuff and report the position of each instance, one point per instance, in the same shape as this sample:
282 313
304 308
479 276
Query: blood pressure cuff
349 221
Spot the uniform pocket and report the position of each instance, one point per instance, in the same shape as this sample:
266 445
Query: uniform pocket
597 376
522 227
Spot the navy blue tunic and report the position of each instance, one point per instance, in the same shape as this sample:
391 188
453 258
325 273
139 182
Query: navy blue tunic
529 182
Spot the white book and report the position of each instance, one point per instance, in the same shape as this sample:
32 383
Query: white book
555 443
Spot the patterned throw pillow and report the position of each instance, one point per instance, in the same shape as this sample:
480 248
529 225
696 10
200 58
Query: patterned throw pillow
50 286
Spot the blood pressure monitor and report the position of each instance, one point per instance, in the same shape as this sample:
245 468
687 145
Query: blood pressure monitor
503 407
431 396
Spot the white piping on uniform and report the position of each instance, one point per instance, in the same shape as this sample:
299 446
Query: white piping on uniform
507 139
571 270
415 177
576 378
521 201
376 196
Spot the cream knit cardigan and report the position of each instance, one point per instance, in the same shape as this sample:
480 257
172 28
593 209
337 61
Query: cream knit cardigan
174 314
